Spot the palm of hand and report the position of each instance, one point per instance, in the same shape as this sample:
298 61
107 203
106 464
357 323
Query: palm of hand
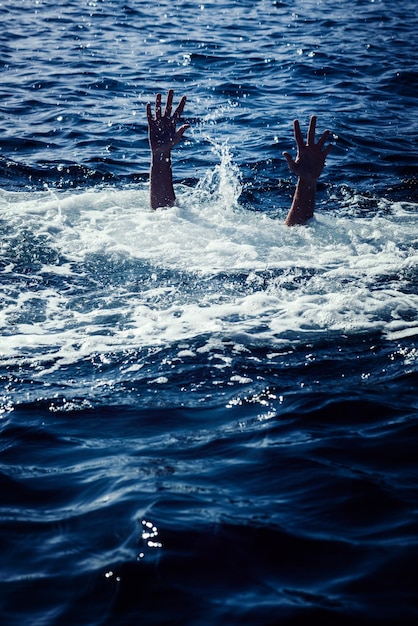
162 134
309 162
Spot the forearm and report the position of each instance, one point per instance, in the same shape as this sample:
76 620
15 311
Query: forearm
303 204
161 181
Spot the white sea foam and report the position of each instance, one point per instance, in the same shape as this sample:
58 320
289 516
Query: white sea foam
131 277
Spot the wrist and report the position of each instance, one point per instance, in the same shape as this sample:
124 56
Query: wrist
307 182
160 153
161 159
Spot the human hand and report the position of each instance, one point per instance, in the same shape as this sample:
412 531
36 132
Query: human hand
310 158
162 134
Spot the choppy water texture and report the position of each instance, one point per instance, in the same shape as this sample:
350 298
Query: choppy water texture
206 417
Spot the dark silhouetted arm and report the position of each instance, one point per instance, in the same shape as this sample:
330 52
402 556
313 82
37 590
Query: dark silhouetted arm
309 163
163 136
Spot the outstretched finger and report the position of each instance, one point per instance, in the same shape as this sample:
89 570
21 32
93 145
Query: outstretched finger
289 159
311 131
181 131
149 114
158 106
323 139
169 103
327 150
179 110
298 135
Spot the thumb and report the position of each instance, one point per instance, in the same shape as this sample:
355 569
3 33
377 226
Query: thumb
180 132
289 159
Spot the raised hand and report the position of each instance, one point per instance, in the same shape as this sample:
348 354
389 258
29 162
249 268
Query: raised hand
163 136
308 165
162 133
310 158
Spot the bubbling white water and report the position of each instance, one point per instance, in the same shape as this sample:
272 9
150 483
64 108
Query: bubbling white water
111 273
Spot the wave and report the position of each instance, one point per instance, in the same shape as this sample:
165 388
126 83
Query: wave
98 267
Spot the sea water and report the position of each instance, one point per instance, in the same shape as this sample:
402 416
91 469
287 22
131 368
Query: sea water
207 417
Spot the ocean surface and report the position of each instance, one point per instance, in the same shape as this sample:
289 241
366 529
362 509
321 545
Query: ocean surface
207 418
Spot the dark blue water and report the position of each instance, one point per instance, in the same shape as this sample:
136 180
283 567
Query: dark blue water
205 417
